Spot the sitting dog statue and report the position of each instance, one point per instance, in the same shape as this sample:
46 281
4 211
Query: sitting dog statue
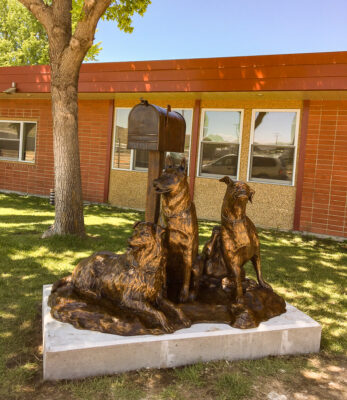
239 238
182 228
133 281
231 245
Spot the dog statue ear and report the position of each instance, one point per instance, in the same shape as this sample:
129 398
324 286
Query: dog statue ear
169 162
136 224
183 165
251 194
227 180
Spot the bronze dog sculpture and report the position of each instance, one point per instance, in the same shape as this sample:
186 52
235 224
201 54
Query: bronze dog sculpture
239 238
182 228
126 294
133 281
218 275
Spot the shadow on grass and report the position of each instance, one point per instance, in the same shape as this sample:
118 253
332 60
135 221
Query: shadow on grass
309 273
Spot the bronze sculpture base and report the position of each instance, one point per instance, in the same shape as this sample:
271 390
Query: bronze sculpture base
260 304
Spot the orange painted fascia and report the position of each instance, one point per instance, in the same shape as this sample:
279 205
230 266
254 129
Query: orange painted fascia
289 72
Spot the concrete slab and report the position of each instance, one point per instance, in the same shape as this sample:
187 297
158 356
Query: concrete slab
70 353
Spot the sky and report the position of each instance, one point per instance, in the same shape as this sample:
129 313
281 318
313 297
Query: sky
174 29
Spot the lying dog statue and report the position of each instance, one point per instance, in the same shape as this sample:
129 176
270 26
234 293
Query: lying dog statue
182 228
133 281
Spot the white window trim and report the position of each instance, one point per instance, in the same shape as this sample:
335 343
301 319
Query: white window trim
202 117
132 153
21 133
272 181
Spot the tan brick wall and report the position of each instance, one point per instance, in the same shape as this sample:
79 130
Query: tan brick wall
128 189
273 204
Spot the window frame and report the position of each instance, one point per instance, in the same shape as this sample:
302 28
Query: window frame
201 129
114 142
251 138
132 151
21 136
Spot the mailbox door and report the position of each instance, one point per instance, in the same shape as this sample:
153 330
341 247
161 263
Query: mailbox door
172 132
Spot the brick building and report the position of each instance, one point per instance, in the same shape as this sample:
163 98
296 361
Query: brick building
278 122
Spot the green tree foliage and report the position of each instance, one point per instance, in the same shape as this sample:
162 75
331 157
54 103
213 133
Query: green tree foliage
23 40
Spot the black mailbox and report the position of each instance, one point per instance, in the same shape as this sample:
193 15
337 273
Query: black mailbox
151 127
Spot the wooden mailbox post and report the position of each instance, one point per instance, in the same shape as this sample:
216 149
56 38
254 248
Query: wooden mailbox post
157 130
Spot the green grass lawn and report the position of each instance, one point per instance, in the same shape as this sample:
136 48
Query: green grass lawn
309 273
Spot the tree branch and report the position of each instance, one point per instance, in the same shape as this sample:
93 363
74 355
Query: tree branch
41 11
83 37
93 11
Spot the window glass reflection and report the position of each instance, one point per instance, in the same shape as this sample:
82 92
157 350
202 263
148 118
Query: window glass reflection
219 149
272 162
122 155
9 140
217 159
273 147
222 126
276 128
141 159
29 135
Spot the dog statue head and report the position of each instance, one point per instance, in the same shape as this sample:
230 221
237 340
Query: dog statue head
237 192
173 179
146 234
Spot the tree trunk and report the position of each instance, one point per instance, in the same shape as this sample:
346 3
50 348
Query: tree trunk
68 186
67 49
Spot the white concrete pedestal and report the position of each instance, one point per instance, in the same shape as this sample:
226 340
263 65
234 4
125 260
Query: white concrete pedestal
70 353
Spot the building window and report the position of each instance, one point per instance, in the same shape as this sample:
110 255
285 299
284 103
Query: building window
18 140
220 142
138 159
122 157
273 146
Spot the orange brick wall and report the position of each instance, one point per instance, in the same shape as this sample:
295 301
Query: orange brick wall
93 134
38 178
324 197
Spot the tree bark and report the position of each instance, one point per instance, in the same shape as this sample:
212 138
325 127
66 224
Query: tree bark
67 51
67 175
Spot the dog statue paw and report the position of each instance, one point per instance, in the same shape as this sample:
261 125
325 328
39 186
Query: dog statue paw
166 325
186 321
